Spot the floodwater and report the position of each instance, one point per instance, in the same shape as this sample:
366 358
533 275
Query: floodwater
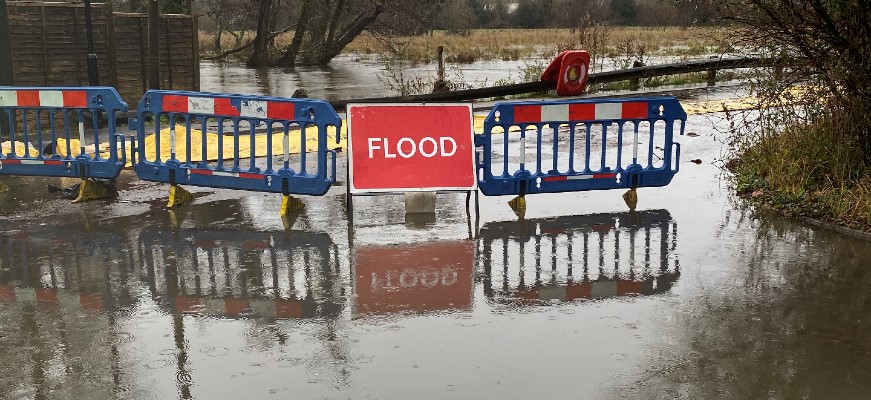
347 77
693 296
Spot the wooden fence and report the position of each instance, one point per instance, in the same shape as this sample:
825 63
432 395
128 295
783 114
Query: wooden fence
49 48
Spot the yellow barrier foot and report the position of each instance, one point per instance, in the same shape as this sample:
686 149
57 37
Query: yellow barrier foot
518 205
631 198
3 187
178 196
289 205
90 189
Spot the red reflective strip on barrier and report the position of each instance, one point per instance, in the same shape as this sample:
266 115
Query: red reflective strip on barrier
527 294
187 304
224 108
91 301
175 103
254 245
75 98
24 161
280 110
206 244
556 178
28 98
602 228
581 290
288 309
235 307
244 175
582 112
527 114
46 296
625 287
604 176
635 110
250 176
7 294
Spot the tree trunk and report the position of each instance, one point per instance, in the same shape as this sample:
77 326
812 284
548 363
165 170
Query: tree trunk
288 59
260 56
219 29
332 48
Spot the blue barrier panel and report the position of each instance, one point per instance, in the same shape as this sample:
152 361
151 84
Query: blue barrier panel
47 135
220 135
578 145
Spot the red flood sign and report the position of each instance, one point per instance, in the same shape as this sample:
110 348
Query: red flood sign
411 147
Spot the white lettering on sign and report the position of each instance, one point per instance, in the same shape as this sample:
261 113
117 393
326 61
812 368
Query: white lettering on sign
428 147
426 278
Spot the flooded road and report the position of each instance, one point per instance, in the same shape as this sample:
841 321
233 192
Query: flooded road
693 296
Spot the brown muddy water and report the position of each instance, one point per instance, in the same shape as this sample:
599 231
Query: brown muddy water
693 296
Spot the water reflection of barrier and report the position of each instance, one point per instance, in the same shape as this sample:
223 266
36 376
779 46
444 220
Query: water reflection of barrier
579 145
195 157
47 132
88 272
579 257
242 274
418 278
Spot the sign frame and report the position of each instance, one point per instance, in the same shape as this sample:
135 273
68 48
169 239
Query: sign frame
393 190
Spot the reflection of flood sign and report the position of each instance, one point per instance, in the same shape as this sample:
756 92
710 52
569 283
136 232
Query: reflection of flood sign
408 147
435 276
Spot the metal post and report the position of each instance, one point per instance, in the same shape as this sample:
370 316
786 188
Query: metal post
153 44
93 75
441 58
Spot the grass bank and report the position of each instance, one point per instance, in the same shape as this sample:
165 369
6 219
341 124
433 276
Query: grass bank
807 169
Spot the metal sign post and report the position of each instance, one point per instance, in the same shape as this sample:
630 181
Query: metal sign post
93 75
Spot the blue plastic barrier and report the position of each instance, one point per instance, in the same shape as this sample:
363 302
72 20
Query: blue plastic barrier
579 145
26 111
239 119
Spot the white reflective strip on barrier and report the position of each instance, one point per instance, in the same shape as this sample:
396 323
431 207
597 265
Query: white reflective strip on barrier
201 105
172 139
51 98
253 109
635 146
82 135
8 98
263 308
215 306
231 174
286 145
552 293
69 300
609 111
25 295
603 289
523 150
559 112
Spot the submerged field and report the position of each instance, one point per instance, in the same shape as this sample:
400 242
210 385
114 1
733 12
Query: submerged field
513 44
